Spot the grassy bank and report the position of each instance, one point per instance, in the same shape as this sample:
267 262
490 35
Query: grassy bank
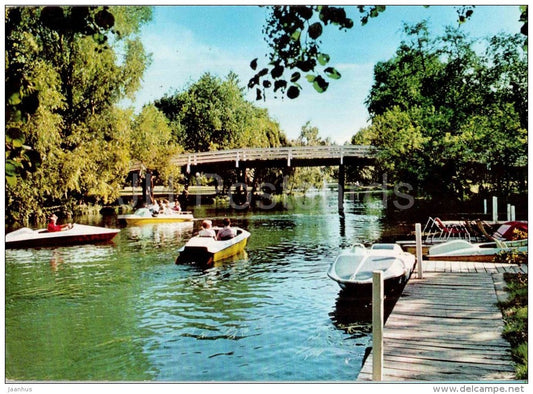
516 323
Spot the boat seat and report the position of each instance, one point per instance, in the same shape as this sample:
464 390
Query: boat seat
344 267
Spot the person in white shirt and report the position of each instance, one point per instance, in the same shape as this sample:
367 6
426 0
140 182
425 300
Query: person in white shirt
206 230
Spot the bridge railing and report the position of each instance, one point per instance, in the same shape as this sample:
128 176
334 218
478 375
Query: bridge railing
288 153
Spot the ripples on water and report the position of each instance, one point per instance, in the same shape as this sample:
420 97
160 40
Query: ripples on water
127 312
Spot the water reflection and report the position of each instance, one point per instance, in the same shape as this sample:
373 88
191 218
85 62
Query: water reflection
351 310
159 235
75 256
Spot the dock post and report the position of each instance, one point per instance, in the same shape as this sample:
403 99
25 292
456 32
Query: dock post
513 213
508 212
377 325
484 206
341 189
418 235
495 209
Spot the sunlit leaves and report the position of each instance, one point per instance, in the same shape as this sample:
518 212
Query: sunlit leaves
293 33
213 114
297 34
370 12
25 28
320 84
64 140
14 99
14 137
332 73
323 59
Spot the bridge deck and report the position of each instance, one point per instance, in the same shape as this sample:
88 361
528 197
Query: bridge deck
303 155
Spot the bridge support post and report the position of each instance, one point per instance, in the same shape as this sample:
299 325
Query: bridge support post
341 189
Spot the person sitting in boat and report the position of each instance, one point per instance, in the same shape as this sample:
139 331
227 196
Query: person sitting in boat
167 209
53 226
143 212
154 208
161 207
226 232
177 206
206 230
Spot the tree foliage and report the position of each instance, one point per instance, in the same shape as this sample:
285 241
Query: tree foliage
67 68
153 144
213 114
443 114
304 178
294 33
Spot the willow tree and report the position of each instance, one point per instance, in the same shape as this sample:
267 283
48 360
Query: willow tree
67 68
153 144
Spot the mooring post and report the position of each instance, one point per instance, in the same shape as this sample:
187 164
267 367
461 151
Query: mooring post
418 236
495 209
341 189
377 325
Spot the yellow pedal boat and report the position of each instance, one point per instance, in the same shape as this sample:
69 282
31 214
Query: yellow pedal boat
144 216
207 250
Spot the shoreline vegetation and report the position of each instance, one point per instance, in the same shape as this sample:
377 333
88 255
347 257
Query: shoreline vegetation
259 201
515 316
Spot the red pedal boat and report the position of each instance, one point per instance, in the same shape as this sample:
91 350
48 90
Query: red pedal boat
78 234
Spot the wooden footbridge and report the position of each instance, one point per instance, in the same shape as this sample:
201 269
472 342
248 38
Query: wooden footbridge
293 156
281 157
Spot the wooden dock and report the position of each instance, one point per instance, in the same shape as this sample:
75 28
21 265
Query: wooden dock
447 326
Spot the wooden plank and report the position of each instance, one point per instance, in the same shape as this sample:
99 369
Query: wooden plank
456 314
437 342
446 327
450 355
403 368
471 266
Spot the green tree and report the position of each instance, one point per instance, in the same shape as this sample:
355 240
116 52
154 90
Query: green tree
213 114
441 111
303 178
152 143
73 65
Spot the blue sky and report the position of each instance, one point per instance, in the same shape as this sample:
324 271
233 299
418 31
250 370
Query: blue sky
188 41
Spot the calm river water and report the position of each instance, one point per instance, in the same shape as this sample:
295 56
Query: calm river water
126 312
